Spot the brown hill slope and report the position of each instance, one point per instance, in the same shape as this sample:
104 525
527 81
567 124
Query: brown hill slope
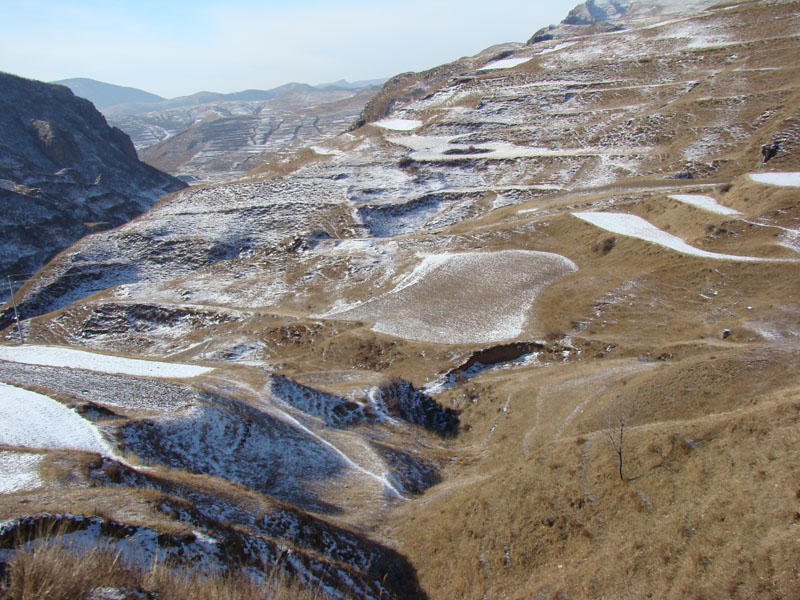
215 139
428 334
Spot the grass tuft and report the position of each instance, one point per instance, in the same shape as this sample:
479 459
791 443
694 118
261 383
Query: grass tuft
54 571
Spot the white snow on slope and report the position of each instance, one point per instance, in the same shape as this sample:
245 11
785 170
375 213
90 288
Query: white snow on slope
507 63
464 297
782 179
636 227
54 356
558 47
19 471
399 124
33 420
705 203
443 148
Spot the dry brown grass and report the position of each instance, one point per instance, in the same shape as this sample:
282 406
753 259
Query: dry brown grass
531 504
55 572
708 507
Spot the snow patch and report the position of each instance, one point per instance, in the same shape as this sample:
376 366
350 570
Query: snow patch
633 226
444 149
19 471
54 356
399 124
558 47
781 179
33 420
705 203
506 63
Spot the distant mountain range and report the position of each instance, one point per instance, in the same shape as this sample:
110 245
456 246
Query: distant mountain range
113 99
210 136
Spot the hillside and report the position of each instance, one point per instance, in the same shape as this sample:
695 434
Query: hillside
64 173
210 136
216 140
530 331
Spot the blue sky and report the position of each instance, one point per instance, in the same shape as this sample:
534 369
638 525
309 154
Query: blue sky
173 48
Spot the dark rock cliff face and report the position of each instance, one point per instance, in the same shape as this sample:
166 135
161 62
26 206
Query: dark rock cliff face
64 173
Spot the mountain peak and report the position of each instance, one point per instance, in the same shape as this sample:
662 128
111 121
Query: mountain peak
594 11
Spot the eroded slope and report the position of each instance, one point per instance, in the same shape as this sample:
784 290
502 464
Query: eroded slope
442 316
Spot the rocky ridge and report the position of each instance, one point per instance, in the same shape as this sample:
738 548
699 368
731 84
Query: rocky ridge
64 173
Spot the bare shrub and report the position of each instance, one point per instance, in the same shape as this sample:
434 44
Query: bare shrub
606 246
618 418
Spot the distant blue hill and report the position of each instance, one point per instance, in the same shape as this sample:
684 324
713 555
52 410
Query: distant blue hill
103 95
116 99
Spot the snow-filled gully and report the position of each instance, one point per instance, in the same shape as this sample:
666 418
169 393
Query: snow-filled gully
32 420
382 479
284 416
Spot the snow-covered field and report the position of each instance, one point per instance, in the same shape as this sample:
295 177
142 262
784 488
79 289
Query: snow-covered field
463 297
32 420
636 227
19 471
705 203
399 124
782 179
54 356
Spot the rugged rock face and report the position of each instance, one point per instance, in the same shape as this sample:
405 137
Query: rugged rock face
64 173
593 11
605 16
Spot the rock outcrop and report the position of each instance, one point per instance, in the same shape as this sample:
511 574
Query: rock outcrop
593 11
64 173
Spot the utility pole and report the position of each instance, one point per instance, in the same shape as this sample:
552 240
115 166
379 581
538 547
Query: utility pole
16 314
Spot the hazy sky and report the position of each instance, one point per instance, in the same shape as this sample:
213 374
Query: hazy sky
177 47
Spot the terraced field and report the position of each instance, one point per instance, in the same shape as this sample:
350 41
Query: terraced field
530 333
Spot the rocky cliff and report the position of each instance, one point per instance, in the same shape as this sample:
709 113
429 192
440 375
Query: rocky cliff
64 173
